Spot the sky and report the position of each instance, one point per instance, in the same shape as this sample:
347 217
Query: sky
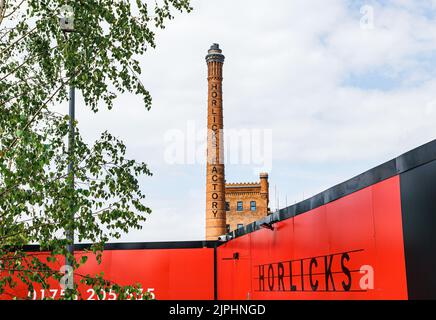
320 91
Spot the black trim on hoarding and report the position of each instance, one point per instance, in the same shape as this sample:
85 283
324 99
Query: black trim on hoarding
418 207
141 245
407 161
215 272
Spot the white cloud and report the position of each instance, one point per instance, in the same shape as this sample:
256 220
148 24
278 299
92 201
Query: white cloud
285 68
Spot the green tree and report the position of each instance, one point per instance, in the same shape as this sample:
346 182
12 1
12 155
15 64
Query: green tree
38 61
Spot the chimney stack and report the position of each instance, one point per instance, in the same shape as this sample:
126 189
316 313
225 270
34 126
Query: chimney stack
215 179
264 188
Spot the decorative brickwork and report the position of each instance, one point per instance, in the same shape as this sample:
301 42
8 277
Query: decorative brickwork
254 197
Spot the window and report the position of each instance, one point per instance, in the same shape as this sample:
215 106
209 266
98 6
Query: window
239 206
253 205
227 228
227 206
240 225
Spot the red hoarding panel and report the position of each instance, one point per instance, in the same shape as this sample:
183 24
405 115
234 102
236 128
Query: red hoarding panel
351 248
234 276
168 274
389 242
171 273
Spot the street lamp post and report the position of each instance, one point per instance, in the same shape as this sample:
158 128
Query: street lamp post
70 232
67 25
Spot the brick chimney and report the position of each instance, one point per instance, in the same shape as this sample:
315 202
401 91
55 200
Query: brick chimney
215 179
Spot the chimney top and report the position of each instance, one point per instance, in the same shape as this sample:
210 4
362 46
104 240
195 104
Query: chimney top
263 175
215 54
215 47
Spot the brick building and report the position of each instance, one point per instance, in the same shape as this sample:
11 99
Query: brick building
246 202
